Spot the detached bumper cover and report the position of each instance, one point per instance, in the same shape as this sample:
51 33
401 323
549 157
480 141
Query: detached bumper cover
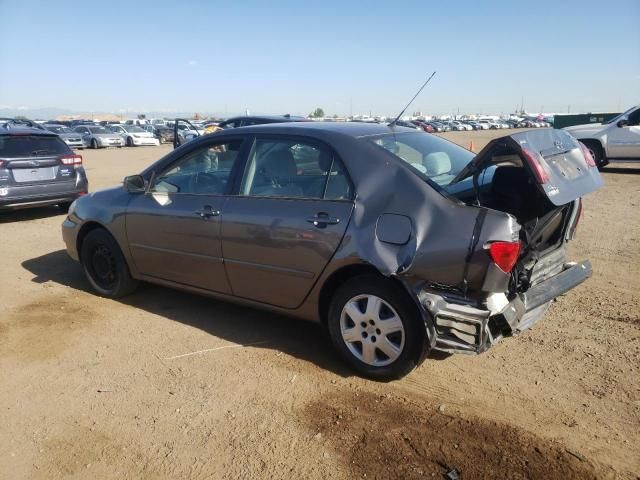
467 327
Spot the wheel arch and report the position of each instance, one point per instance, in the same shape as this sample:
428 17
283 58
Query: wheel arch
84 231
342 275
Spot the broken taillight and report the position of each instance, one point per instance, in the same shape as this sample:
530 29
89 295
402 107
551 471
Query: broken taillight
504 254
536 162
71 160
587 155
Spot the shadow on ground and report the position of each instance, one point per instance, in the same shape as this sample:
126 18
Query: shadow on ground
11 216
226 320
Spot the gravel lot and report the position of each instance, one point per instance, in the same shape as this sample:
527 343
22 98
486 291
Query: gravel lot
95 388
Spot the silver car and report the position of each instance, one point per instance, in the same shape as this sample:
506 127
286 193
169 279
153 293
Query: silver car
71 138
99 137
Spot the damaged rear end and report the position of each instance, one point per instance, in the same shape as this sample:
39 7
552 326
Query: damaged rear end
526 192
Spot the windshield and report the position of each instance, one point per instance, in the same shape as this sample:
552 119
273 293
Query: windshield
99 130
134 129
618 117
430 156
26 146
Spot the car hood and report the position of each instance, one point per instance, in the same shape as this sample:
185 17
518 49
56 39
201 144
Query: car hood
70 135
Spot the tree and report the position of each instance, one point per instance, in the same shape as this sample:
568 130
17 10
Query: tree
317 113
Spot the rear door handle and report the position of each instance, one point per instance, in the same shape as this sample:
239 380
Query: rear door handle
322 219
207 212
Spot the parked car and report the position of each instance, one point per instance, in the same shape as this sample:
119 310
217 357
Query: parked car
616 138
134 136
460 126
236 122
163 133
38 168
423 125
68 136
439 126
399 242
99 137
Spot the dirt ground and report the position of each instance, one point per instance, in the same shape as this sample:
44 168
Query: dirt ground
165 384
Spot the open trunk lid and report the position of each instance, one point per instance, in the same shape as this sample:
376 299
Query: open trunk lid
562 168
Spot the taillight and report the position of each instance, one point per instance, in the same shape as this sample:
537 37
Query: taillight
71 159
537 163
587 155
504 254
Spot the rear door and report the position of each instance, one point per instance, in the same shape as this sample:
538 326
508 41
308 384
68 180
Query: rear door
279 233
174 229
554 159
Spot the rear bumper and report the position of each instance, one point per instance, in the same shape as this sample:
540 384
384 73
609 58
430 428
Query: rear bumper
26 196
463 326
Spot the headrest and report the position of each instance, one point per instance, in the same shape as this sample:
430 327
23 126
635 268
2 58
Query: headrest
280 165
324 161
437 163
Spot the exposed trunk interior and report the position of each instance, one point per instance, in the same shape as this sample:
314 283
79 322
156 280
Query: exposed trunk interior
506 184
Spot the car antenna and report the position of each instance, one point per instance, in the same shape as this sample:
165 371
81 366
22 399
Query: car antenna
391 124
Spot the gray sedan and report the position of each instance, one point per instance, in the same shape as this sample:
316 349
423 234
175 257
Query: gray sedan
397 241
99 137
71 138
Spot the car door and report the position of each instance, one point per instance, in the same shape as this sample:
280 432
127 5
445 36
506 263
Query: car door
173 229
281 230
624 141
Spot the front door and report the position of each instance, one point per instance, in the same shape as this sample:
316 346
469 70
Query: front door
289 218
624 142
174 229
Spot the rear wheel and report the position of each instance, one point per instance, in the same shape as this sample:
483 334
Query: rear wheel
105 265
597 152
376 328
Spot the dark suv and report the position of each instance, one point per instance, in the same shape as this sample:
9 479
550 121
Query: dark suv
37 168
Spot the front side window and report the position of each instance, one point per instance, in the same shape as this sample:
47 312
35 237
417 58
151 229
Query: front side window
438 160
204 171
293 169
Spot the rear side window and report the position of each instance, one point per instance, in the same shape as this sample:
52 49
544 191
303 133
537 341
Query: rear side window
287 168
30 146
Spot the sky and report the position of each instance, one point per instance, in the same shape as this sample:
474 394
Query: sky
343 56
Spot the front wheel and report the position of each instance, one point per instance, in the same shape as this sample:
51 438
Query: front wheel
105 266
130 142
597 152
94 144
377 328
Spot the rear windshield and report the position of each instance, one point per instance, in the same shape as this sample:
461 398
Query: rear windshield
31 146
430 156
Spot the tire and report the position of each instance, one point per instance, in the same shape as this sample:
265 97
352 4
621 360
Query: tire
357 328
104 265
64 206
597 153
130 142
94 144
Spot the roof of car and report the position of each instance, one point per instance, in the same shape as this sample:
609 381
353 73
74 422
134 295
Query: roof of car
352 129
18 131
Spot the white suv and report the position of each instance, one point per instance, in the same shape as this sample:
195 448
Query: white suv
617 138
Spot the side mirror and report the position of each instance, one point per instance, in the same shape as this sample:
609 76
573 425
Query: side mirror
622 123
134 184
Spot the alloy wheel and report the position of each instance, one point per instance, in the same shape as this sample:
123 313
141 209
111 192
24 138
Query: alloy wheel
372 330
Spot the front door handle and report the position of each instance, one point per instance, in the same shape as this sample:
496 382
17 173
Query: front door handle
323 219
207 212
